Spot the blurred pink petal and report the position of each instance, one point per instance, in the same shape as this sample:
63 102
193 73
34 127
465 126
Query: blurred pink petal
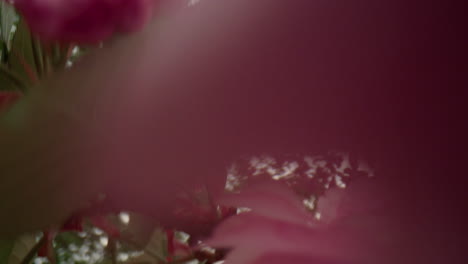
358 197
251 236
363 235
84 21
282 258
7 98
270 200
277 223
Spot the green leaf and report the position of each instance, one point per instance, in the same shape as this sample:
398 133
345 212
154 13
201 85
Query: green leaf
67 238
2 52
14 251
22 248
59 56
6 246
38 54
9 81
22 56
8 18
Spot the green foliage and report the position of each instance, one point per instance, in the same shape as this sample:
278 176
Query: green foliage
24 58
8 18
24 61
21 249
9 80
6 247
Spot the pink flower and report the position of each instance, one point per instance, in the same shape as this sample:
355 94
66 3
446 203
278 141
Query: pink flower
270 200
371 230
277 225
83 21
357 198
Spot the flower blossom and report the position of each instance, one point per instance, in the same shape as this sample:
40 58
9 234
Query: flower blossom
83 21
357 229
277 228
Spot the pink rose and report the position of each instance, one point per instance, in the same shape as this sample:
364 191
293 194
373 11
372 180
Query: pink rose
84 21
365 224
277 228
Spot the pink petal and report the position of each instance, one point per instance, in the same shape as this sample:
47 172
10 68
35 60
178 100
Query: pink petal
271 200
84 21
251 236
358 197
7 98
